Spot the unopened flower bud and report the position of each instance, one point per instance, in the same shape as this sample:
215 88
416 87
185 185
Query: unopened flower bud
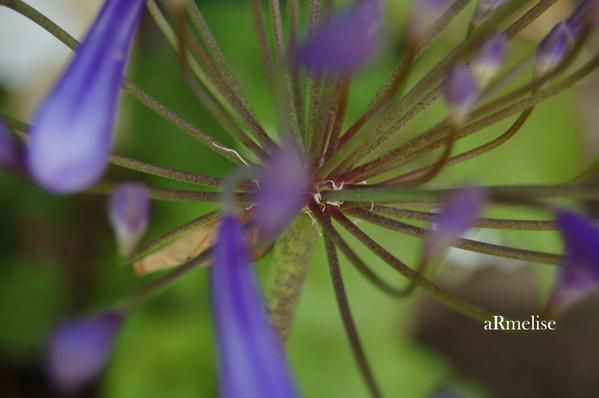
554 48
461 93
489 60
129 211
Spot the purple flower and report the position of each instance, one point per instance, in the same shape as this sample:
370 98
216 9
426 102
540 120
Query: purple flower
579 272
490 58
461 93
484 10
80 348
345 42
423 16
284 185
11 152
586 12
554 48
252 362
72 132
129 212
459 213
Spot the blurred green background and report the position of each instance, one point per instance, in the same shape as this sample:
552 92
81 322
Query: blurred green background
58 257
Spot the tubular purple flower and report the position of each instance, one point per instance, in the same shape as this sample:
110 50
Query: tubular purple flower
129 213
459 213
72 131
461 93
346 42
484 10
490 59
422 17
80 348
252 362
11 152
554 48
578 275
284 189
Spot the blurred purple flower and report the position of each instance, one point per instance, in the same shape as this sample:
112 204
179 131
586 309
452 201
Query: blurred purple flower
459 213
578 274
484 10
346 42
72 132
284 189
129 213
490 58
554 48
422 17
80 348
11 151
461 93
252 362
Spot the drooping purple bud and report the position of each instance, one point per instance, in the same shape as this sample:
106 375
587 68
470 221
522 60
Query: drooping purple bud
459 213
284 185
461 93
423 16
11 152
80 348
484 10
129 213
346 42
490 58
251 360
554 48
578 275
72 131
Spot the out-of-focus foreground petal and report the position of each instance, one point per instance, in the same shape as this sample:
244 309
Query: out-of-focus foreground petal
129 213
11 151
252 362
284 186
345 42
80 348
578 275
72 132
459 213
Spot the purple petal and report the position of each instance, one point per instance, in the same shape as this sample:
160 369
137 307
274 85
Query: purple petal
252 362
346 42
461 93
458 214
490 58
579 272
423 16
484 10
80 348
284 189
72 132
554 48
11 152
129 213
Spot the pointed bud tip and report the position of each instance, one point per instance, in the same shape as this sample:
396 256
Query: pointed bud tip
490 59
129 213
553 48
461 93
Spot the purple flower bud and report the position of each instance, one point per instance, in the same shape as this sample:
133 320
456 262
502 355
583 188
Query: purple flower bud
423 16
554 48
484 10
459 213
72 132
490 58
11 152
461 93
80 348
346 42
579 272
284 186
252 362
587 12
129 212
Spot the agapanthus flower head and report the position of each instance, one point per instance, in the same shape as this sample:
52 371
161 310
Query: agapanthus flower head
490 59
129 213
554 48
346 42
422 17
461 90
251 359
11 151
72 132
484 9
80 348
459 213
578 275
